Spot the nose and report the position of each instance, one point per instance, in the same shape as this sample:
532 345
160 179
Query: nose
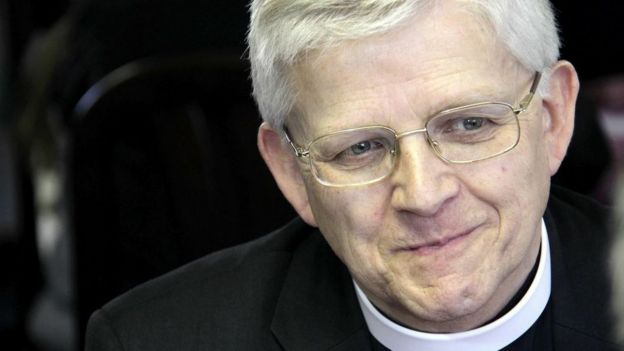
423 184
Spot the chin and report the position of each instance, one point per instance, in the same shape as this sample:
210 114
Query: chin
452 310
455 309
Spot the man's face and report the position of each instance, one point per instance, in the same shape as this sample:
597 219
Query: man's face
436 246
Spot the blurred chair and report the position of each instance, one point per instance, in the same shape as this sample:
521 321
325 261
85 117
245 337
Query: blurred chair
616 259
163 168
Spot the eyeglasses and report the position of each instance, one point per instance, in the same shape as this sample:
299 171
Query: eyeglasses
466 134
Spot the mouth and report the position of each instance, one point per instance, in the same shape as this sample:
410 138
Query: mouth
440 244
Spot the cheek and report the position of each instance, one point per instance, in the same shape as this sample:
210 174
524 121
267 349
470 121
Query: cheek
350 219
351 207
515 185
517 188
522 172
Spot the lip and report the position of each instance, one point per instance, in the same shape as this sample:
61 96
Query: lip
440 244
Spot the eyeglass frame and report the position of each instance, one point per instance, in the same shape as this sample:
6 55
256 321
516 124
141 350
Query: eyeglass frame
522 106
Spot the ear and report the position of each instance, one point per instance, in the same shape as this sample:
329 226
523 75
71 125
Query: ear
282 163
559 105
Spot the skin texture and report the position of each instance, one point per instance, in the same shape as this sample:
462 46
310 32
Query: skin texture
437 247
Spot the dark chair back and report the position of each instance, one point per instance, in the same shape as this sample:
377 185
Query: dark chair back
163 169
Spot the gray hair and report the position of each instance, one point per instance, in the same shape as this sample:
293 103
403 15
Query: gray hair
281 32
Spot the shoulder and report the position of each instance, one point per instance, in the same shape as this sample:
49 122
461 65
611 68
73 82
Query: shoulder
568 206
581 226
216 292
579 233
258 259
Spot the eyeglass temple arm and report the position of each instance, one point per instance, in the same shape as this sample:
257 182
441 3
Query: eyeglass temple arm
527 99
299 151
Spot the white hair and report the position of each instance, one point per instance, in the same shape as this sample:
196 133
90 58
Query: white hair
282 31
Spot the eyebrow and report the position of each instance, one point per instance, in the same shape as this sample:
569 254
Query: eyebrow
467 98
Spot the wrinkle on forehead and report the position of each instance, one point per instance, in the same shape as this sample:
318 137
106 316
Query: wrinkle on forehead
340 87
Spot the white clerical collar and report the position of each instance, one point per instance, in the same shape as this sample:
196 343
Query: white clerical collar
490 337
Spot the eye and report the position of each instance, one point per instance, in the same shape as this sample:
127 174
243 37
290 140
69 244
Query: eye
362 153
463 125
353 149
471 123
361 147
467 129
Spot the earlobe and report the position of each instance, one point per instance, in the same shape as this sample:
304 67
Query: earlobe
282 163
559 112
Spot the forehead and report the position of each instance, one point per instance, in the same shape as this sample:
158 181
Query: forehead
437 60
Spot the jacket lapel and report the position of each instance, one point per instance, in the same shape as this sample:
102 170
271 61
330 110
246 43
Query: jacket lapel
580 292
317 308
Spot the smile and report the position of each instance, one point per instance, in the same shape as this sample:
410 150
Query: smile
441 244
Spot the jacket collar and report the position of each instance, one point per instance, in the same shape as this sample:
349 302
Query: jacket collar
317 308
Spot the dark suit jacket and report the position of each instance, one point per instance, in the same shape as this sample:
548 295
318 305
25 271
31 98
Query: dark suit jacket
288 291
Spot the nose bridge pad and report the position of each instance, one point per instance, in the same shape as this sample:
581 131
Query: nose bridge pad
435 145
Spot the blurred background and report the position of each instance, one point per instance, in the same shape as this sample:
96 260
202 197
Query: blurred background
127 146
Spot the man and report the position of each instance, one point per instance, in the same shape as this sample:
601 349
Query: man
416 140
